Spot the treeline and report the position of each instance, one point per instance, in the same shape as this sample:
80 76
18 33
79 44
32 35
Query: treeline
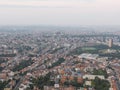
42 81
7 55
61 60
100 72
22 65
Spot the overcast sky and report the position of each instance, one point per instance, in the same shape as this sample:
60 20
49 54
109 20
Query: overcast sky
60 12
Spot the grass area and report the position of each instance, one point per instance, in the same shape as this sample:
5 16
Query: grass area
88 48
81 50
98 49
100 72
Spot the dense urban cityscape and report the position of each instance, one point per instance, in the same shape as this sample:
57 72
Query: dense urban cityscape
59 59
59 44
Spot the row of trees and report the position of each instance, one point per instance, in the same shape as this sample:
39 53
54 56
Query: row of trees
100 72
61 60
7 55
23 64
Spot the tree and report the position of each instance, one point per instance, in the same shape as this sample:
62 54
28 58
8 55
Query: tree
41 81
100 84
100 72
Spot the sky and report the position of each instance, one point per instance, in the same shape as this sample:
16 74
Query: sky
60 12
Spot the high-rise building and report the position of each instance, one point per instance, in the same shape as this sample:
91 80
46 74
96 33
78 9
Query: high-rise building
110 44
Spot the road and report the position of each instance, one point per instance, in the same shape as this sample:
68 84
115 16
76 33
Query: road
18 84
117 78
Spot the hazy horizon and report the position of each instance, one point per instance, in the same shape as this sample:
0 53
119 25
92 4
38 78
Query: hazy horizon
98 29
